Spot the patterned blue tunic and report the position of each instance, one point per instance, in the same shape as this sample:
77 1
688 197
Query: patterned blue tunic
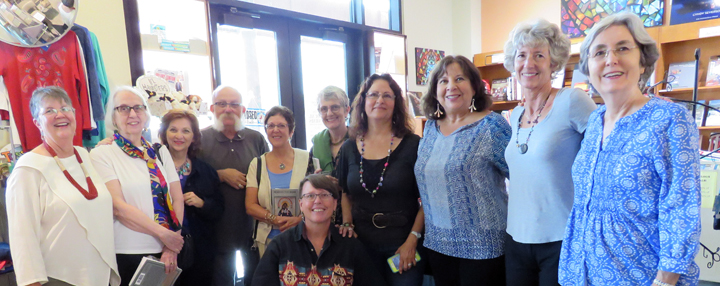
461 178
637 200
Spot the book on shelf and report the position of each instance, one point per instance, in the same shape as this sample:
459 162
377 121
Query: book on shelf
285 202
681 75
713 117
713 72
581 81
499 89
559 80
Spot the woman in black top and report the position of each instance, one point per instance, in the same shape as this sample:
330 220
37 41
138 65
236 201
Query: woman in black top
314 252
179 131
380 195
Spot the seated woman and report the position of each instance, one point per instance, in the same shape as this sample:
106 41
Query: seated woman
180 133
314 250
282 168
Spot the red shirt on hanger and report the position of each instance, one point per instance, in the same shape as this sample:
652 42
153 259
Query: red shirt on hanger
26 69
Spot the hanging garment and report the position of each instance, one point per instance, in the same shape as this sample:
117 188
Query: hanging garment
5 106
26 69
104 92
83 36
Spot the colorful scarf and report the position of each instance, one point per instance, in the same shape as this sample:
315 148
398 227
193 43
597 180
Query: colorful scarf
164 213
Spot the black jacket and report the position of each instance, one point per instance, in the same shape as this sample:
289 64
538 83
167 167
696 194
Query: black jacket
205 183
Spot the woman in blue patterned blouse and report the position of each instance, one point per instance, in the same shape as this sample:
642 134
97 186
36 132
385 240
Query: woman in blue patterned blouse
637 190
461 173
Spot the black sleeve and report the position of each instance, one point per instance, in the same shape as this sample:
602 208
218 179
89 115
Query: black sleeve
340 173
213 208
366 273
310 167
267 271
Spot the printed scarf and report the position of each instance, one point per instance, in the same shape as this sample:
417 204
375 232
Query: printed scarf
164 213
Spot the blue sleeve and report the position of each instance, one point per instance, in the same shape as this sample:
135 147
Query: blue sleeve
499 140
677 163
581 106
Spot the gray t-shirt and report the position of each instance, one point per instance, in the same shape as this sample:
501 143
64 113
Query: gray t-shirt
235 227
540 194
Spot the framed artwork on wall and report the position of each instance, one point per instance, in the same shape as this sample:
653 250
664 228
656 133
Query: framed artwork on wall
579 16
425 60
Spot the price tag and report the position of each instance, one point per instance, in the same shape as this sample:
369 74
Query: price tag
709 32
497 58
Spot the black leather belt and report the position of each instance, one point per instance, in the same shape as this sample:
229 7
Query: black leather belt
383 220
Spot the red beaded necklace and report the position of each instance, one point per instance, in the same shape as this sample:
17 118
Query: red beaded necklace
93 191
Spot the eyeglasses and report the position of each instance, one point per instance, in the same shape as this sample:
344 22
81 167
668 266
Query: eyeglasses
333 109
54 112
222 104
311 197
125 110
273 126
376 96
602 54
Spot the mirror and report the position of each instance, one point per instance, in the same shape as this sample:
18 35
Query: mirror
35 23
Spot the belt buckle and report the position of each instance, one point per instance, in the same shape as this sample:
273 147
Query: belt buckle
373 220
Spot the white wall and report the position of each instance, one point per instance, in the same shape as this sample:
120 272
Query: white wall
427 24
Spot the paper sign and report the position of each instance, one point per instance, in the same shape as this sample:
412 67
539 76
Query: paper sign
153 83
255 117
708 187
497 58
709 32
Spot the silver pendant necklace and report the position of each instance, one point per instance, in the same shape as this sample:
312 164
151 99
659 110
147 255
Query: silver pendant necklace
523 148
282 166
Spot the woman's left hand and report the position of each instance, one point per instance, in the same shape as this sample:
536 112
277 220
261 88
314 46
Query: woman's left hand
317 171
407 254
170 259
193 200
288 222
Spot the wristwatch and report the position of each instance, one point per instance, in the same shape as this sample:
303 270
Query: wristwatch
417 234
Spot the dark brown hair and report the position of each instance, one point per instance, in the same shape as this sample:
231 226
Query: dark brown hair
483 101
401 124
322 182
284 112
176 114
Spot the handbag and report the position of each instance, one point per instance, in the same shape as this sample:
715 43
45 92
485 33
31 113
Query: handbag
186 257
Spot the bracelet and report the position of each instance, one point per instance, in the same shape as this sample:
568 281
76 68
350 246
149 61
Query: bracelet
660 283
347 224
270 217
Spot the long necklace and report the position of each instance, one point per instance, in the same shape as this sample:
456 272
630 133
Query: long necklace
382 175
523 148
89 195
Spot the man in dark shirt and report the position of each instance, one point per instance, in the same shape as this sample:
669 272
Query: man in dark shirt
290 259
229 147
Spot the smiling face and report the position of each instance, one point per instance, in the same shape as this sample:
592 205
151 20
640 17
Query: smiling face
319 210
533 66
179 135
58 127
380 107
278 131
333 113
229 116
614 73
454 90
133 122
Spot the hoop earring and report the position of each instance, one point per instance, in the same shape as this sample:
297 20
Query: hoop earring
438 112
472 106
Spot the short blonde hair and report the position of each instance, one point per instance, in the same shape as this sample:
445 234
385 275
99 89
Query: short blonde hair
538 33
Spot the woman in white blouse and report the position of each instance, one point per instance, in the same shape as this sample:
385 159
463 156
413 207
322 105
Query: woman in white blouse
59 211
147 197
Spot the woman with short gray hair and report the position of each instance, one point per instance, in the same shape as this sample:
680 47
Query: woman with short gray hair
334 107
546 135
58 206
635 218
147 197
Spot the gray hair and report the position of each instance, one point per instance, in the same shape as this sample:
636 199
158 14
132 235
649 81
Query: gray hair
333 92
221 88
648 49
110 125
42 93
538 33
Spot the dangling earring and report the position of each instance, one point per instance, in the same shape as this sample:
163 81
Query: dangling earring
333 217
438 112
302 215
472 106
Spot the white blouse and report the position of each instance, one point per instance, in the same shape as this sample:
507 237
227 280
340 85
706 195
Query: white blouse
112 163
54 231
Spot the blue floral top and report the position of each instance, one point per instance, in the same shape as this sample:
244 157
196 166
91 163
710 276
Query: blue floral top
637 200
461 178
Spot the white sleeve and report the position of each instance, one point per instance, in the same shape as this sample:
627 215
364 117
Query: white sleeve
24 215
100 157
168 166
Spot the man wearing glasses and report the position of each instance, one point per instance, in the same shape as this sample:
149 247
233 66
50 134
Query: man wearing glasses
229 147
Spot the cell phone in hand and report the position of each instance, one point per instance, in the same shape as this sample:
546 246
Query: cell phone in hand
394 261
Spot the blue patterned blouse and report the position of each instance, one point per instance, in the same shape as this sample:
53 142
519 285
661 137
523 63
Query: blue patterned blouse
637 200
461 178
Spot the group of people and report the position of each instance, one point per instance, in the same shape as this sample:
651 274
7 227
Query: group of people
604 195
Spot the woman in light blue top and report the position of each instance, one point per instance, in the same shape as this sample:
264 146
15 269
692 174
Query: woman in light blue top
635 218
546 136
461 171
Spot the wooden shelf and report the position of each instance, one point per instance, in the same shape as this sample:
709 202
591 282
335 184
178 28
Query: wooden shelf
704 93
598 100
504 105
705 132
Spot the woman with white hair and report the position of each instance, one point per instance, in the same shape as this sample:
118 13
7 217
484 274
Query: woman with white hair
546 135
334 107
635 218
147 198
